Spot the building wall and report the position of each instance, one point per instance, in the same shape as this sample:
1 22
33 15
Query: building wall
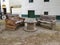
53 6
36 5
6 2
14 2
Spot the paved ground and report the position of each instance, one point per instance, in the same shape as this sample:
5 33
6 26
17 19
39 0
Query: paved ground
21 33
20 37
58 25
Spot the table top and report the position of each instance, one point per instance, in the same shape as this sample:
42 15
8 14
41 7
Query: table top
30 20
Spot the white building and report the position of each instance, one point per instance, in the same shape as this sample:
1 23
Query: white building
31 7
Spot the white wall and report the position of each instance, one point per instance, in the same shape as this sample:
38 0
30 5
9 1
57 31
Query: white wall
53 6
14 2
37 5
16 11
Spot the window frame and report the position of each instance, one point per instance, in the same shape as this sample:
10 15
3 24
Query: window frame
46 0
31 13
46 12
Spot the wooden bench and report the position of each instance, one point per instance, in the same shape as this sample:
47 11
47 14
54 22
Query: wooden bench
13 22
47 20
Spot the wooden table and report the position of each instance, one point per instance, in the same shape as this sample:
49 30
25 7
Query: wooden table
30 24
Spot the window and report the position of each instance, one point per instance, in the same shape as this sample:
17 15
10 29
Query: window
46 13
31 13
46 0
30 1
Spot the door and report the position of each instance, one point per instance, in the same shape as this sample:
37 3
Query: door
31 13
4 10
